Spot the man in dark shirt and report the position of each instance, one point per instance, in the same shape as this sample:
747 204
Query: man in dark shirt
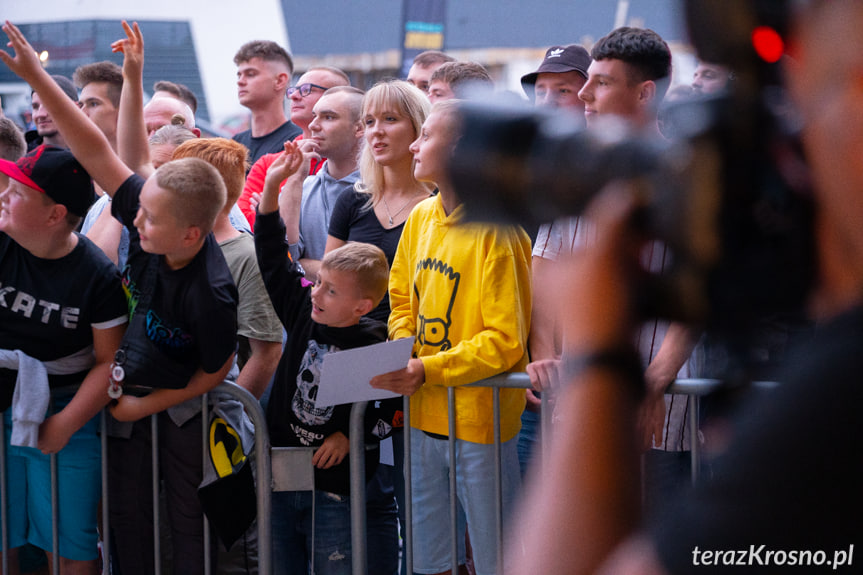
264 72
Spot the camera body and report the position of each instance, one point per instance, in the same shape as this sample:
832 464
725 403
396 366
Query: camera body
729 197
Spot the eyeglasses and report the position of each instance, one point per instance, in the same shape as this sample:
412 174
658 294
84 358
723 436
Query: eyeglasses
304 89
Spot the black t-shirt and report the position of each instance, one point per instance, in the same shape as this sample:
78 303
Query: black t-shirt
352 221
193 313
49 307
292 417
791 479
270 143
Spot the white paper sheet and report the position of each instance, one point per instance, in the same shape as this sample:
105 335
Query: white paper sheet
345 375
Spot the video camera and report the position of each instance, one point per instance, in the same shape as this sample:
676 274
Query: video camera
729 198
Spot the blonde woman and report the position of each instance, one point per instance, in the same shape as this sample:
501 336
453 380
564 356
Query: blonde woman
376 210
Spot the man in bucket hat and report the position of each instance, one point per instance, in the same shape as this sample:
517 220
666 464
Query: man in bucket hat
558 79
62 317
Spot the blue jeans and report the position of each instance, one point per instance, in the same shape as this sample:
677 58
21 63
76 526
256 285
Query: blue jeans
528 439
292 533
476 500
382 523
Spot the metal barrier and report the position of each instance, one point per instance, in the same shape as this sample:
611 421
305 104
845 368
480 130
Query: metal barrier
279 469
507 381
696 388
263 486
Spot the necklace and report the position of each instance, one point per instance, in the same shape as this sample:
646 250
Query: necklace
400 210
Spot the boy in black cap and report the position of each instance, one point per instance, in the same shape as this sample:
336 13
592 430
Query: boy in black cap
62 315
558 79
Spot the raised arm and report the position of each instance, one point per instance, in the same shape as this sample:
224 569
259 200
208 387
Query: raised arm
132 145
85 140
290 200
286 164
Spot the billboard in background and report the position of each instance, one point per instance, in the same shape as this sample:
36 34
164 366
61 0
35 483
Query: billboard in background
423 29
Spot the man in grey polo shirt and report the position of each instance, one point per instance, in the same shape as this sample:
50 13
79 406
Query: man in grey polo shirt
307 204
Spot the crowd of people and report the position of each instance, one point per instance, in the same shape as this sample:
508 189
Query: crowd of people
141 266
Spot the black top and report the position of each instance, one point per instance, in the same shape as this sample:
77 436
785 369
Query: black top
49 307
353 221
193 313
292 416
791 477
270 143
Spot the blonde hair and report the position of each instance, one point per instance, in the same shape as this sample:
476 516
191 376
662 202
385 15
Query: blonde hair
230 158
409 102
172 134
367 262
197 191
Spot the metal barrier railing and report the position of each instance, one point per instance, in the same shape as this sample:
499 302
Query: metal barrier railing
263 486
498 382
696 388
290 469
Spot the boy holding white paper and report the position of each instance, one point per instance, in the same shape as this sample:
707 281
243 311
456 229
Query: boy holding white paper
320 318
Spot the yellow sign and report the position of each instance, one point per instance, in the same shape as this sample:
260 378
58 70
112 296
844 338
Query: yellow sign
424 40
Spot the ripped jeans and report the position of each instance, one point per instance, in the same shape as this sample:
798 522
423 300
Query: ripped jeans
292 533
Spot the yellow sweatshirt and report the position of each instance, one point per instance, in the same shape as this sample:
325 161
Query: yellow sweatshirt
464 292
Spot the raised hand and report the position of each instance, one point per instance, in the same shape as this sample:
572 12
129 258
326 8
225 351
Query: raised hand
25 63
287 164
132 47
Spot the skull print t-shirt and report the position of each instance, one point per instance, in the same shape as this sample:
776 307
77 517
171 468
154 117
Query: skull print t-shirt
293 418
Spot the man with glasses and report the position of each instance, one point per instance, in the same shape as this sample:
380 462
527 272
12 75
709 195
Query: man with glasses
304 95
264 71
309 89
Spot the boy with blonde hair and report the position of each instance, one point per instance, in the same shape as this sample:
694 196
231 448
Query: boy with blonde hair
191 317
259 329
320 320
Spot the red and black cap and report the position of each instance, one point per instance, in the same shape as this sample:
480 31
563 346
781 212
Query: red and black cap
54 171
